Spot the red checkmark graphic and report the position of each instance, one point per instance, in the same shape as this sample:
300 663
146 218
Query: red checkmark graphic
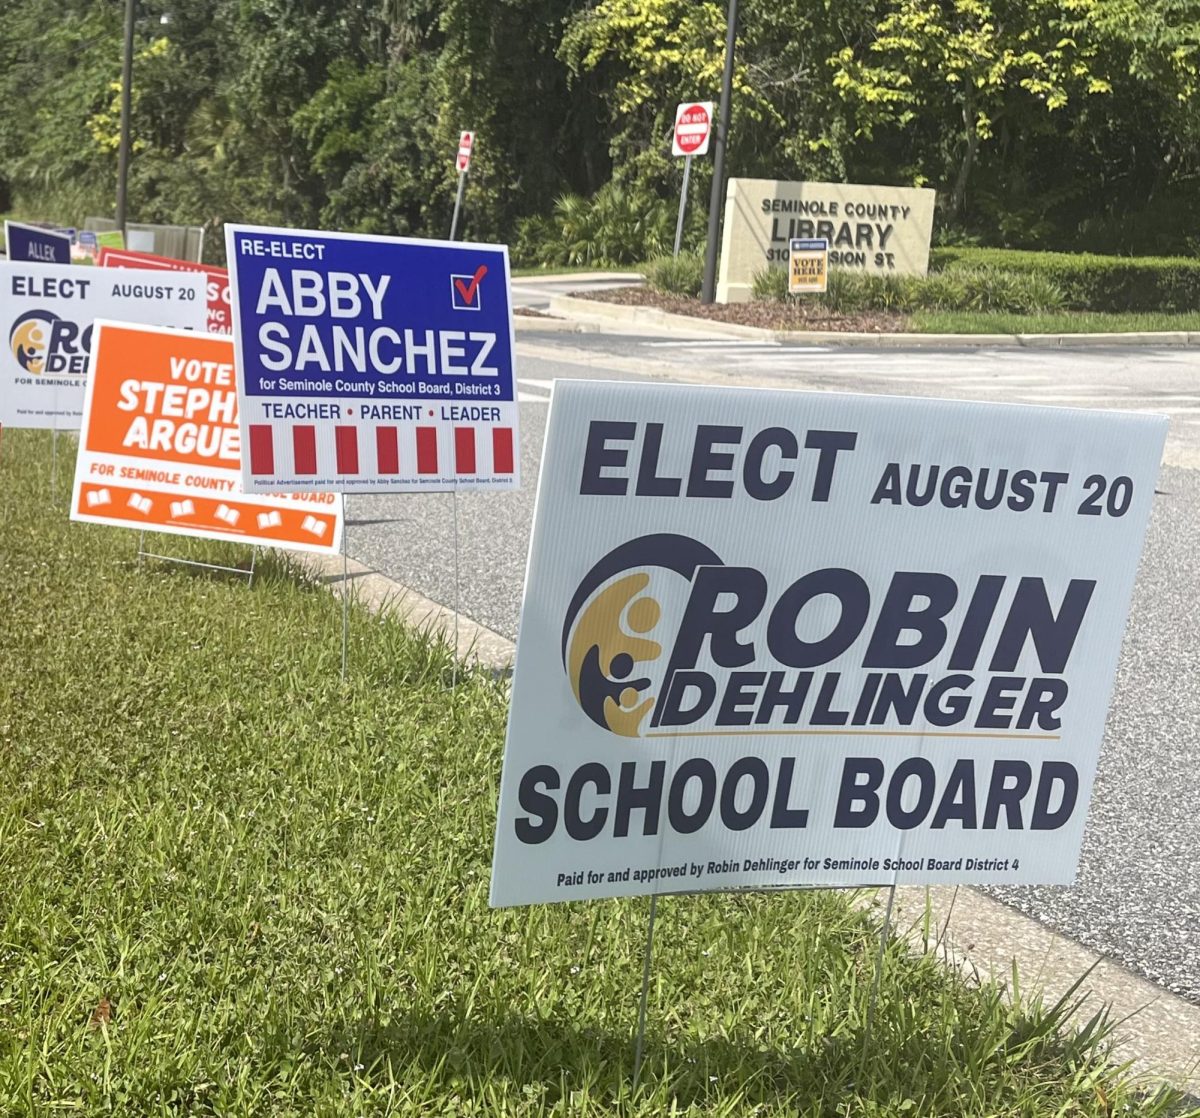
467 290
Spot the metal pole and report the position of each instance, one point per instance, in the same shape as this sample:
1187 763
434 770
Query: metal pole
883 938
640 1046
708 291
687 172
126 84
454 676
345 591
462 183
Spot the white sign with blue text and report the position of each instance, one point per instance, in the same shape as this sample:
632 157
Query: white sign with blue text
781 638
372 364
46 315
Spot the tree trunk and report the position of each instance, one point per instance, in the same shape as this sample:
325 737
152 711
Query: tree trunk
958 200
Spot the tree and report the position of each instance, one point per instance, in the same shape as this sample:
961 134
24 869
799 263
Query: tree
971 61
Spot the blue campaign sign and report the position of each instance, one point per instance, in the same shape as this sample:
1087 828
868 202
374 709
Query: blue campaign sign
30 244
808 244
372 364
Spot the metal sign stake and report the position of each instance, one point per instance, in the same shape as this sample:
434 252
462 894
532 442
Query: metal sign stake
454 671
883 938
683 192
462 184
345 590
640 1046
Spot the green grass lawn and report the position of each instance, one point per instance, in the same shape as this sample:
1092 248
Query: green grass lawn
234 886
1075 322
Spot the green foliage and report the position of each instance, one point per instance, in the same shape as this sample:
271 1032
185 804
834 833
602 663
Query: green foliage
1089 282
617 225
676 275
1060 322
235 885
979 289
1069 125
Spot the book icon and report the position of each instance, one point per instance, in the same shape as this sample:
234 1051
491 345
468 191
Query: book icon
272 519
225 513
313 525
99 497
183 508
140 504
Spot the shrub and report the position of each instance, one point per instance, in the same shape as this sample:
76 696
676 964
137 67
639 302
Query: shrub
1088 282
770 283
676 275
537 243
615 226
979 289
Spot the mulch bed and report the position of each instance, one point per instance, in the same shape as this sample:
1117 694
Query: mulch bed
793 315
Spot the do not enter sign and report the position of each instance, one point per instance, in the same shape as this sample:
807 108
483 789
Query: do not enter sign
693 127
466 142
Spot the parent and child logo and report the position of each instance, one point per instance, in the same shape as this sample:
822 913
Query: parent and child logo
662 638
43 342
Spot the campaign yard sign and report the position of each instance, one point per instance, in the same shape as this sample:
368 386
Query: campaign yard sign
159 447
808 265
220 320
779 638
46 315
372 364
33 244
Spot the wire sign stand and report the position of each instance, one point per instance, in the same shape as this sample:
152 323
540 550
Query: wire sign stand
248 574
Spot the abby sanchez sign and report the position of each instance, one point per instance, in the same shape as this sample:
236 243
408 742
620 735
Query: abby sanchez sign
775 638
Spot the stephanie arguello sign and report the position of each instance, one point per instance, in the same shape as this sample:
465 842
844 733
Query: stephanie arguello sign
159 448
775 638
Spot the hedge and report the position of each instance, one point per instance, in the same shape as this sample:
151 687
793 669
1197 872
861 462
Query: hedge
1093 283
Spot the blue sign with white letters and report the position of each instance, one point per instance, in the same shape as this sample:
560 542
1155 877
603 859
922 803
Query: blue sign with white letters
26 244
372 364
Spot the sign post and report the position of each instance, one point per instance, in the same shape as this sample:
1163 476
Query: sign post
693 129
703 701
466 142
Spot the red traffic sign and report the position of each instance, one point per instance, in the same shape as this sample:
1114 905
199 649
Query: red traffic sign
465 143
693 127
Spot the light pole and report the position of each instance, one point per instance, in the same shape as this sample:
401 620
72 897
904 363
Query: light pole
708 290
123 150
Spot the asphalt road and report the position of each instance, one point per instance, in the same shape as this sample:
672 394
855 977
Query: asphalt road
1137 898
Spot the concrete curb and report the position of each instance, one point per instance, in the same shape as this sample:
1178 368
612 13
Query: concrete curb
612 316
577 277
380 594
1159 1032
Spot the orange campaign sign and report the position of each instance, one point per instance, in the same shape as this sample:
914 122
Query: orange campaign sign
159 446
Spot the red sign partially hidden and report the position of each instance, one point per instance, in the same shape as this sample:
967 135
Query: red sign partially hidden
465 143
693 127
220 318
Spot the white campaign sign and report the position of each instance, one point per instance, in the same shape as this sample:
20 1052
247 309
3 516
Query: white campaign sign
46 315
781 638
